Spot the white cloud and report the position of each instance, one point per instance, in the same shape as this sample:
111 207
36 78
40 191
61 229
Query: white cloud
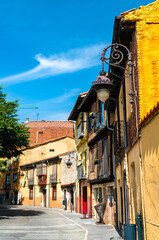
62 98
72 61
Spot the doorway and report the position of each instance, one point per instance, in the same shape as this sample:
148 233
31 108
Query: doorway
84 200
15 197
44 198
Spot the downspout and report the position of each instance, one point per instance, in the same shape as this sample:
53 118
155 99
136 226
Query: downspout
34 184
125 158
112 129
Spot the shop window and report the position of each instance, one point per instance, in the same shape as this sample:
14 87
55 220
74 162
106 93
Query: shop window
54 193
30 193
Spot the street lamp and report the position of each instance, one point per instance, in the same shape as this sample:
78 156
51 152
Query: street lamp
69 163
102 85
117 56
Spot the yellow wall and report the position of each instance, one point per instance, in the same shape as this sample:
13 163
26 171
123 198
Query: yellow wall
147 26
135 204
43 151
150 160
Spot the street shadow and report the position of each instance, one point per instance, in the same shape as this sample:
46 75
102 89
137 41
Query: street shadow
7 212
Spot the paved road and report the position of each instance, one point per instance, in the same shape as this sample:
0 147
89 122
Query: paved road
29 223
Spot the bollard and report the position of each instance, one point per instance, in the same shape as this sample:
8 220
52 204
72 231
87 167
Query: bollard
129 231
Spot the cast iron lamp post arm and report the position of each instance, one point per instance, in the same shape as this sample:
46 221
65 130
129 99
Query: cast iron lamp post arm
117 55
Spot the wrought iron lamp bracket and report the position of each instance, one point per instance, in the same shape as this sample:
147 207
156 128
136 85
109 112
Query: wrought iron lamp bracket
117 56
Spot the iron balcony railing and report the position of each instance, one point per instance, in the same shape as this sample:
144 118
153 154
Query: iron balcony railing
42 180
80 130
30 181
53 178
99 121
103 169
119 136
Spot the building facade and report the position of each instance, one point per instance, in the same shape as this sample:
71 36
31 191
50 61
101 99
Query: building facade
100 173
82 186
40 183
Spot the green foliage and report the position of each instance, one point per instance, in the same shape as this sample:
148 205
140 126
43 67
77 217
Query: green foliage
13 136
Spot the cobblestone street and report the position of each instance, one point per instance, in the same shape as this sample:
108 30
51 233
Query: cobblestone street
21 222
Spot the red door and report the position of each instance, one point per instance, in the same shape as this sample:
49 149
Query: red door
84 200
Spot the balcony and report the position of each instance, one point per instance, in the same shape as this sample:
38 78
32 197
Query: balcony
119 137
30 181
80 130
99 121
81 175
53 178
42 180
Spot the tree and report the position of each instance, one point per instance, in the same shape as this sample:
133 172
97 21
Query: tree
13 136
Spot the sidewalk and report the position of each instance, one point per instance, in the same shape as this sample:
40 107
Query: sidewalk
94 232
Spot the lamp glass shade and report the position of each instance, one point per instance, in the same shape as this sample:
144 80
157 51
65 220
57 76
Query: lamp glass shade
103 94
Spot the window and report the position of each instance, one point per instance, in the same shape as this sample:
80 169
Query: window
31 173
92 159
105 156
7 180
42 169
30 193
89 121
101 112
15 177
54 193
54 168
40 133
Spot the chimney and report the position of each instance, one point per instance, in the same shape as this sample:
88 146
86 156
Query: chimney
27 120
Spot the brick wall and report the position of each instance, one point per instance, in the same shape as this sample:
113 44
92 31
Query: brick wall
44 131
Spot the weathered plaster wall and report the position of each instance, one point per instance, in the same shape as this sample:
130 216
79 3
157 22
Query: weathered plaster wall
147 26
150 160
43 151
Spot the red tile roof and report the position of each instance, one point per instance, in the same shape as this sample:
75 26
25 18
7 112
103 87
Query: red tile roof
149 116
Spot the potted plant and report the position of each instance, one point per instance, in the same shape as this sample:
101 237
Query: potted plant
96 161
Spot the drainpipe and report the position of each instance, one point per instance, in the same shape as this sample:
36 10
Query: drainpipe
34 184
125 159
49 187
112 129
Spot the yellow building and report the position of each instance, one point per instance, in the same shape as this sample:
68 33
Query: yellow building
149 158
41 165
82 185
136 152
9 182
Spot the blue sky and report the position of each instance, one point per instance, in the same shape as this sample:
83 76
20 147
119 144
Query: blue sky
50 51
